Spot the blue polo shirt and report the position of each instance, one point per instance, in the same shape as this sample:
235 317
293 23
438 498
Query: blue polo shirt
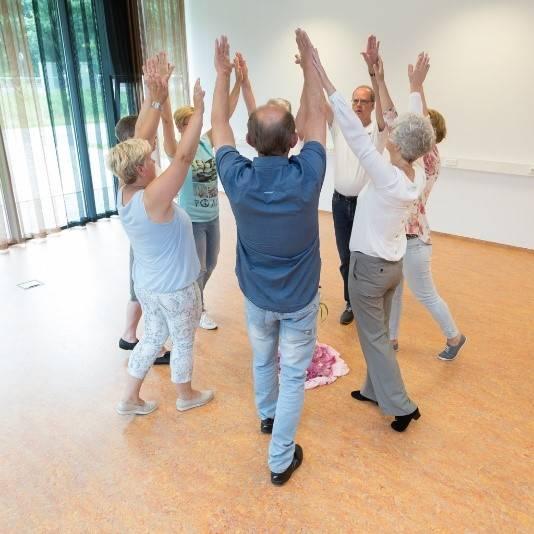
275 202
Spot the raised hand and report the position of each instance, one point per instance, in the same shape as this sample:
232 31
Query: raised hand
237 70
305 47
149 71
157 86
223 65
241 68
198 97
164 68
371 54
418 73
378 69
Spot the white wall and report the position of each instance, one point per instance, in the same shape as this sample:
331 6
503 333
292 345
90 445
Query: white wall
481 79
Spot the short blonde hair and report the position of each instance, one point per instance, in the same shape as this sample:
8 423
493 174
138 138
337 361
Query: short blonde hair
439 125
182 114
124 158
286 104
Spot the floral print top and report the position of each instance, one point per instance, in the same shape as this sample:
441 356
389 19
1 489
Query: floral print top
417 223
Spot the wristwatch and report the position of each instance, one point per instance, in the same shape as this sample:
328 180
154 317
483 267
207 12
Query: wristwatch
156 105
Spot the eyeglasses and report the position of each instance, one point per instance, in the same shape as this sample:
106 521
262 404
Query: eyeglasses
360 101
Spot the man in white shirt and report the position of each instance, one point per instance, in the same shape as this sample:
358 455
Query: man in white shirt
350 177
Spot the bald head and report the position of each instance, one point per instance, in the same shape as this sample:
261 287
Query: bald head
271 130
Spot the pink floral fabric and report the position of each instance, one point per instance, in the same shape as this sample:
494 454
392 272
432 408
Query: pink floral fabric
326 366
417 222
389 117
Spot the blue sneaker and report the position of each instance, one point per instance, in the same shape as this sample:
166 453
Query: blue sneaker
450 352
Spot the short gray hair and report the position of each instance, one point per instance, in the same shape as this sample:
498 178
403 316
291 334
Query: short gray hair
414 135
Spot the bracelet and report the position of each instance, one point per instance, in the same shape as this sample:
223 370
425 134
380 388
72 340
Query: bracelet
156 105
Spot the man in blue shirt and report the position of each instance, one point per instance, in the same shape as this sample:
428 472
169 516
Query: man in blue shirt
275 203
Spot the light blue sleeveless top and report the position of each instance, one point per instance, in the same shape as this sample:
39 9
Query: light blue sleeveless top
199 194
165 256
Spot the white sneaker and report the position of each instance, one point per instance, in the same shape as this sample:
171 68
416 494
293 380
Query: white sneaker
207 323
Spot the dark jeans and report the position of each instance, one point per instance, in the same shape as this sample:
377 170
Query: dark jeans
343 209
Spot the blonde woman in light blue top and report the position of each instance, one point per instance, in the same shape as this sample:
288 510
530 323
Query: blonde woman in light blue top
199 194
166 265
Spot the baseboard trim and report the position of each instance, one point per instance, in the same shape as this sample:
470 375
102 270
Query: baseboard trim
483 242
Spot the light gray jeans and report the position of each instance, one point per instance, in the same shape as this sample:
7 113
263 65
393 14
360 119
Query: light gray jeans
208 242
418 273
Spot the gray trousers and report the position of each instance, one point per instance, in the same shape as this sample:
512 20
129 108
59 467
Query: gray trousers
208 243
372 283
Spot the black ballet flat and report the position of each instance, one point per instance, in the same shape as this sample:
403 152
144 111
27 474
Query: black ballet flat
127 345
164 359
358 396
402 421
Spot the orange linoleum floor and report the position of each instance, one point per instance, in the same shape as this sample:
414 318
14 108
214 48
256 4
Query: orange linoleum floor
71 464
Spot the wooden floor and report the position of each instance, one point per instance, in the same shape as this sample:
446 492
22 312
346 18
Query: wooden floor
71 464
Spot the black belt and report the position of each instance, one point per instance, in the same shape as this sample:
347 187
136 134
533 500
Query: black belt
343 196
412 236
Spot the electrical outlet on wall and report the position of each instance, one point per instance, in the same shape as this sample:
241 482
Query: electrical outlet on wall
451 163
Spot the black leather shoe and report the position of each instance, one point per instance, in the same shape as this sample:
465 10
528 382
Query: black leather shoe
278 479
126 345
358 396
163 360
266 426
402 421
347 316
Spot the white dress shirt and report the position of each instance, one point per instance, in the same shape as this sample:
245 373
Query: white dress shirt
383 207
349 176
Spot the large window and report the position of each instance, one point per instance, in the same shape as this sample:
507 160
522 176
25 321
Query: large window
55 124
69 69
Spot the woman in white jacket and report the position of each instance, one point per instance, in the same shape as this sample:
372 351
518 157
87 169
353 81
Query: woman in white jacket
378 240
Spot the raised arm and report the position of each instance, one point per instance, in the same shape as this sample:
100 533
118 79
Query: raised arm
379 170
389 111
233 98
169 139
302 113
417 76
222 133
371 58
160 193
157 77
312 94
246 85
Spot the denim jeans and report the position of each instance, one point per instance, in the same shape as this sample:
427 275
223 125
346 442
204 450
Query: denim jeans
418 273
343 210
281 399
207 241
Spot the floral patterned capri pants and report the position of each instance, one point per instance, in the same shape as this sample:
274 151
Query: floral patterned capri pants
168 314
